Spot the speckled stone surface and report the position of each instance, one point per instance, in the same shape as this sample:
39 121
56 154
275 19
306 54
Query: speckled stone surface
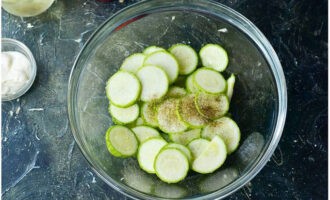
40 159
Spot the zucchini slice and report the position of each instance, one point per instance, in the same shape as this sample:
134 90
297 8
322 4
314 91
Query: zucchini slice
168 118
124 115
171 165
152 49
212 106
145 132
209 81
154 82
185 137
186 57
211 158
182 148
133 62
121 141
166 61
189 113
147 153
149 113
123 89
230 86
214 56
227 129
197 146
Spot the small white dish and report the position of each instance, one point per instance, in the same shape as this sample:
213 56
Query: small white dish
14 45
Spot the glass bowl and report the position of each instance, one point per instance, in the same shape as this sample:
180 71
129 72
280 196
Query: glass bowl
14 45
26 8
258 105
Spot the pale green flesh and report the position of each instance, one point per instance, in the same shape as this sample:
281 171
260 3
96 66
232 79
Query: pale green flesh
197 146
186 57
144 132
147 153
182 148
227 129
122 140
209 81
168 119
123 89
211 158
214 56
171 165
185 137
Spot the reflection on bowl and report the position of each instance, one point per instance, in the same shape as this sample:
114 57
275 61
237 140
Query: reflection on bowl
258 105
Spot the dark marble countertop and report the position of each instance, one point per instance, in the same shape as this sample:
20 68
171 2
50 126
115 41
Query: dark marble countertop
40 159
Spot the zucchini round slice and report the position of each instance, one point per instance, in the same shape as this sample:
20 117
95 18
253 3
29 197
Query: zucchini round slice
147 153
123 89
154 82
227 129
171 165
213 156
189 113
133 62
209 81
168 118
145 132
212 106
121 141
186 57
166 61
214 56
124 115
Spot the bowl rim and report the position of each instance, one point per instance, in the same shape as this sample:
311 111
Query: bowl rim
244 25
33 63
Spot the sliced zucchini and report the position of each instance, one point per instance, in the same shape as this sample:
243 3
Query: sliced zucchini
152 49
147 153
167 117
190 85
124 115
214 56
230 86
211 158
166 61
185 137
123 89
182 148
154 82
186 57
149 113
197 146
176 92
209 81
171 165
133 62
212 106
121 141
145 132
189 113
227 129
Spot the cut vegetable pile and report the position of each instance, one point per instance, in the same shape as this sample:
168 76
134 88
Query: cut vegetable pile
170 128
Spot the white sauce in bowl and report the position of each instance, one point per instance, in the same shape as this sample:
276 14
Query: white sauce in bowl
15 72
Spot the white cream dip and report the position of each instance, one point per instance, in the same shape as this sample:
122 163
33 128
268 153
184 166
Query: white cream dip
15 72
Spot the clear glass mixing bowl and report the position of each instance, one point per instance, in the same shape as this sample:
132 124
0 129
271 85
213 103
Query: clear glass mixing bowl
258 105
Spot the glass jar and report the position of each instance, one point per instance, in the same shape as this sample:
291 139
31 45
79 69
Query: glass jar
26 8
